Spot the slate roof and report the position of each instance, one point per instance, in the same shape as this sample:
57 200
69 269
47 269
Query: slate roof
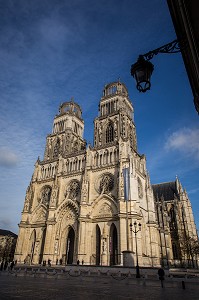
167 189
4 232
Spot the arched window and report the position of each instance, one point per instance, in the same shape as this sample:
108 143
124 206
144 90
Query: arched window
56 148
175 251
109 133
42 172
172 215
100 159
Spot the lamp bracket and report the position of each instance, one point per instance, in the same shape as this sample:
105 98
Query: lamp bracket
172 47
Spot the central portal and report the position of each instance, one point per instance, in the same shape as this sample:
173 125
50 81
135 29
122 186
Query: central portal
70 246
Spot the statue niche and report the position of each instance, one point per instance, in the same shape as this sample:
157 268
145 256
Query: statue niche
45 195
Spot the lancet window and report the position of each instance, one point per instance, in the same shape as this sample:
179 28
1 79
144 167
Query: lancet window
109 133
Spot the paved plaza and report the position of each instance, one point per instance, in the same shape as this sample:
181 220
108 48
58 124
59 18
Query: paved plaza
29 288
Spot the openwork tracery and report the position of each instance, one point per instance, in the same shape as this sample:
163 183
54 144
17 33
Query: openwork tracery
109 133
73 190
106 184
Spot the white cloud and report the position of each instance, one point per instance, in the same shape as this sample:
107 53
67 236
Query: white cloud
186 141
8 158
193 191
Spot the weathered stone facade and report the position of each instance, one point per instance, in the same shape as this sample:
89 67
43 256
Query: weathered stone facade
74 207
8 241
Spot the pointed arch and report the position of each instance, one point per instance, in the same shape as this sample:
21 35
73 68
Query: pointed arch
39 215
45 194
32 242
70 246
67 204
42 245
66 216
56 148
104 206
109 133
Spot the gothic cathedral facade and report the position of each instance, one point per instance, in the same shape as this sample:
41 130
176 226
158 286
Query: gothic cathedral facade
75 206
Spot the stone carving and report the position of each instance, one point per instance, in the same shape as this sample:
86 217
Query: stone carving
41 217
26 205
36 247
73 190
75 146
115 129
45 195
100 133
122 187
28 198
104 246
68 216
85 192
49 148
56 148
56 247
105 211
106 184
53 197
67 148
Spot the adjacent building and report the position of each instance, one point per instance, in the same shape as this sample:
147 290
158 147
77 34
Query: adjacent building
8 241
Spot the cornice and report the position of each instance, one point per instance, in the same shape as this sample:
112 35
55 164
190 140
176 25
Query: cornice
96 169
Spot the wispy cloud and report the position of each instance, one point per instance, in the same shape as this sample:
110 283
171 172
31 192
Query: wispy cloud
5 222
185 141
193 191
8 158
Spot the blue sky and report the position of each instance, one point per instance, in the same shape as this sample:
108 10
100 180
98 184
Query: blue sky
52 50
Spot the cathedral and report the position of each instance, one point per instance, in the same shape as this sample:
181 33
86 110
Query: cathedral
95 204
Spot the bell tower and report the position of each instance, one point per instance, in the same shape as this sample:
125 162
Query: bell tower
67 133
116 119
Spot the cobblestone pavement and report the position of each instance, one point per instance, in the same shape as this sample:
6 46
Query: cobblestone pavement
29 288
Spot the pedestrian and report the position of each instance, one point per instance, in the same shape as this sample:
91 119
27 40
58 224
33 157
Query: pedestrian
12 265
5 265
161 276
78 262
82 261
60 261
49 262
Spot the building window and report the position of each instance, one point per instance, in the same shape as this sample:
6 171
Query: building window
175 251
109 133
173 223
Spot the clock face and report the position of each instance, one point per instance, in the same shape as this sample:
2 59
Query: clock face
140 188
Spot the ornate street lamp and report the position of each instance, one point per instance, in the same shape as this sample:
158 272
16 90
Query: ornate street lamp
143 68
136 230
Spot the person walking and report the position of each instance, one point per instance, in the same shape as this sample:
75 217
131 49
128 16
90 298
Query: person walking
161 274
12 265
